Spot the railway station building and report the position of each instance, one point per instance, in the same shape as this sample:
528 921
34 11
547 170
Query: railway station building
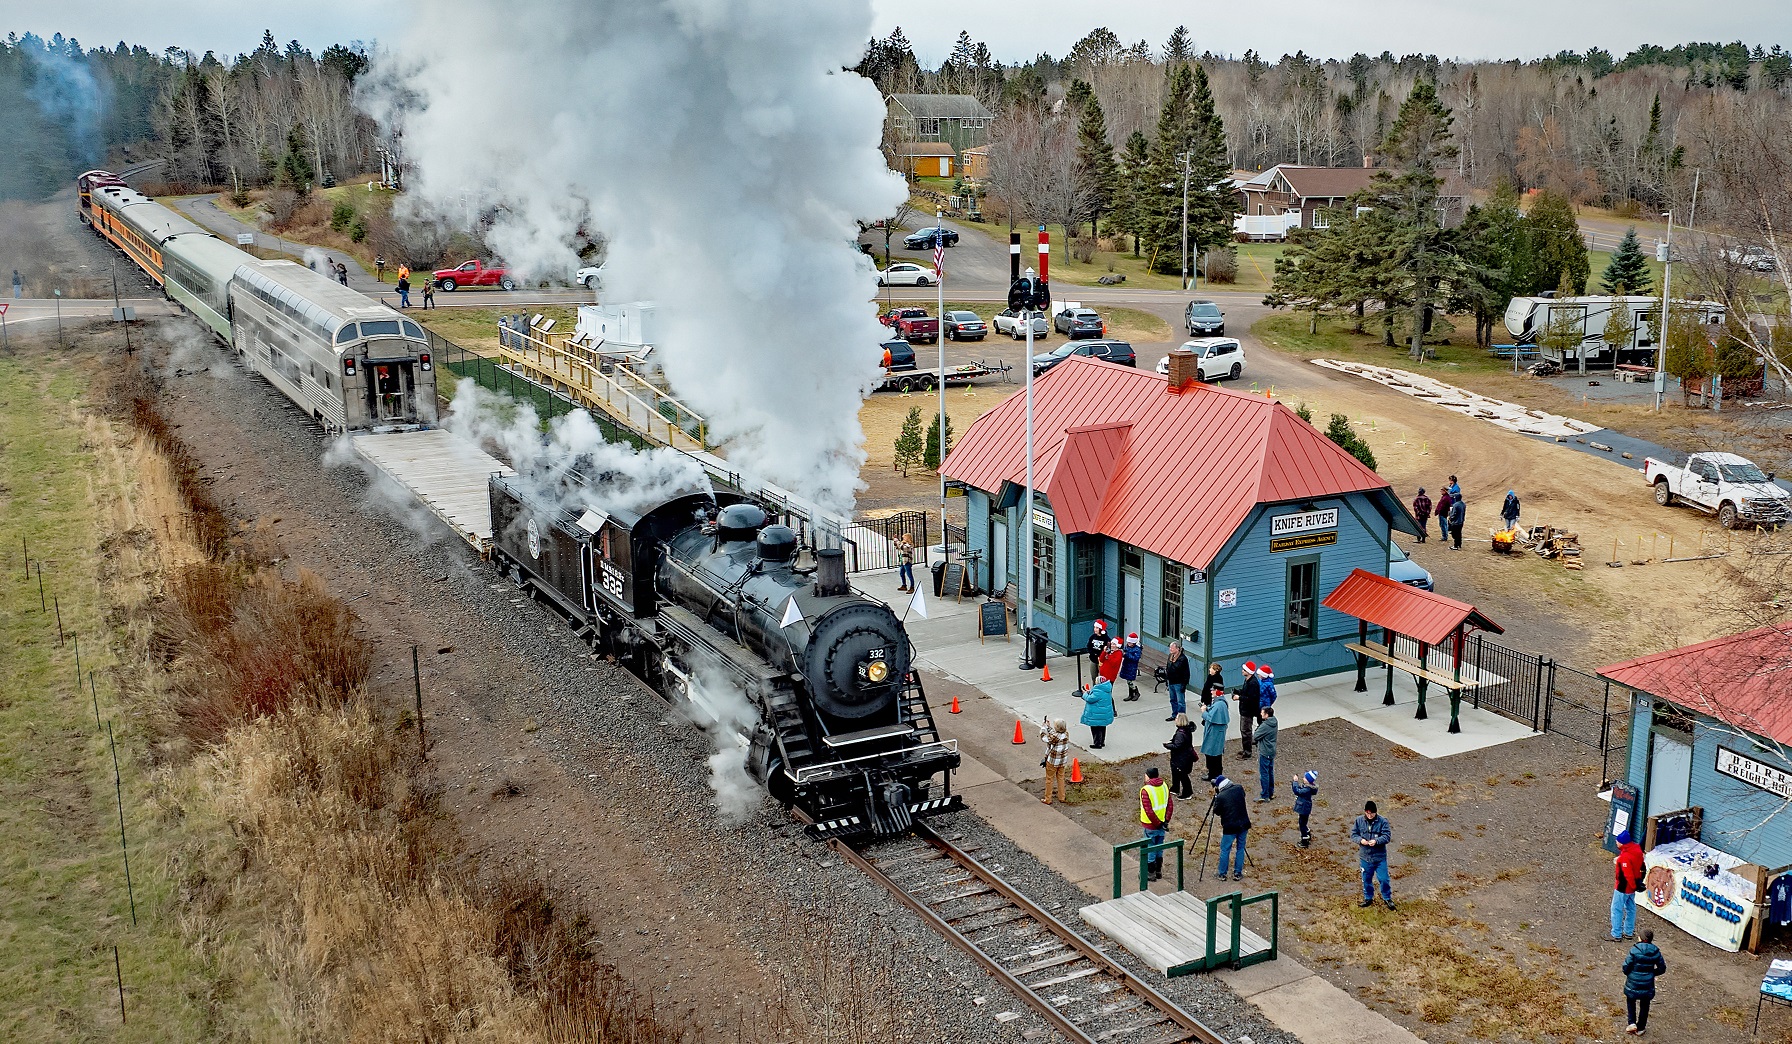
1179 510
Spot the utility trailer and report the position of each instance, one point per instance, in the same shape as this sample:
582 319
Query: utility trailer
927 380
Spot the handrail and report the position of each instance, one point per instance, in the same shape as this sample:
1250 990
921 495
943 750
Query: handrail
592 386
1147 850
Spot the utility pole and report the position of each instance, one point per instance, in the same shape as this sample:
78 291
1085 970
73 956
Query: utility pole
1187 161
1661 333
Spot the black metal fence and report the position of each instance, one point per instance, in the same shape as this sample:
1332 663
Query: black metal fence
1550 697
875 540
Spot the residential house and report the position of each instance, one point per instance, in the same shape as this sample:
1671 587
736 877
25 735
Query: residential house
958 120
1288 196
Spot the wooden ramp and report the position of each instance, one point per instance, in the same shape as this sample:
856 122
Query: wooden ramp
1170 932
446 472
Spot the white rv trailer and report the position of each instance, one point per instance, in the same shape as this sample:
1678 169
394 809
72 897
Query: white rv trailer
1528 318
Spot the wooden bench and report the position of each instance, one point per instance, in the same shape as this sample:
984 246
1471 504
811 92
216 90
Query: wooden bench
1381 654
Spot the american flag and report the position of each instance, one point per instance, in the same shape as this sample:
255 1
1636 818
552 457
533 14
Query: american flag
939 254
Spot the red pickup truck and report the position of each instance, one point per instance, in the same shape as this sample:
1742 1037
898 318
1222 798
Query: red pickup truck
913 325
474 273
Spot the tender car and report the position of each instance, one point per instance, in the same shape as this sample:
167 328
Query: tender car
1009 321
905 273
1204 317
1403 569
1118 352
1080 322
473 273
922 238
898 355
965 326
1217 358
590 277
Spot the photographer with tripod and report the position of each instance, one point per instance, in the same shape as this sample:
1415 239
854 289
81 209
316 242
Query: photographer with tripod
1229 806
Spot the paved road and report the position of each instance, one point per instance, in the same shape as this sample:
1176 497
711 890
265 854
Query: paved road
44 309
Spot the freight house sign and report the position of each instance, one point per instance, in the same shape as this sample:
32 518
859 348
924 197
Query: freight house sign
1307 529
1755 773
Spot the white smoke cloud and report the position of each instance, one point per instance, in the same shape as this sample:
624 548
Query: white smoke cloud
723 152
723 711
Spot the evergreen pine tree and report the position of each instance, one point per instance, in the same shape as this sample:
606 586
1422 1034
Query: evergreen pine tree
1339 431
1628 269
909 444
931 454
1095 163
1556 246
1179 49
1160 194
1188 125
1135 165
1417 147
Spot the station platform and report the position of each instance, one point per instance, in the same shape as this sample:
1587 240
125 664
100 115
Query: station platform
947 644
1169 932
448 475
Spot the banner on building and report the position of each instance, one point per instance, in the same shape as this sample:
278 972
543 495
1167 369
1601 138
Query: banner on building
1754 773
1714 908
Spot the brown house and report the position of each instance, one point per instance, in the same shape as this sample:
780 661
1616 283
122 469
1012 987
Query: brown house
1288 196
926 159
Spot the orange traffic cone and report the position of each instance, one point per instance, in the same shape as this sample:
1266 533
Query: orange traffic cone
955 705
1076 770
1046 673
1019 738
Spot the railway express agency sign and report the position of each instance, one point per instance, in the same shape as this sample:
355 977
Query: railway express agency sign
1303 530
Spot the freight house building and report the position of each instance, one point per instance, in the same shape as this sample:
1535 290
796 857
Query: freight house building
1178 510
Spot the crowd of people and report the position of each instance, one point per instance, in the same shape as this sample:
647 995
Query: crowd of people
1451 509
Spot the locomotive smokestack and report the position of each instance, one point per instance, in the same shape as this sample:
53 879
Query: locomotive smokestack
830 572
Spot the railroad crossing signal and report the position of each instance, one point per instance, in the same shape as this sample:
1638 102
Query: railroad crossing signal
1029 293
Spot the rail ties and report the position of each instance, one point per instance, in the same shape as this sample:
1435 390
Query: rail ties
1065 978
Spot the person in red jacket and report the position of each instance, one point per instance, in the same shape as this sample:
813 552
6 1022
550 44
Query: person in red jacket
1111 661
1627 878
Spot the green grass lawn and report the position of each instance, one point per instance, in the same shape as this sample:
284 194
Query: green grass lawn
1256 263
1292 332
63 903
476 329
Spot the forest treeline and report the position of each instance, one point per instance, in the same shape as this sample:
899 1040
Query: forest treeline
273 115
1593 127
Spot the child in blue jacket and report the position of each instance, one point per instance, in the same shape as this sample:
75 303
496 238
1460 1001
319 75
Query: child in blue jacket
1304 789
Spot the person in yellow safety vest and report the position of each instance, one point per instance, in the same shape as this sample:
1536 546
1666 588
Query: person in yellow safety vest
1156 806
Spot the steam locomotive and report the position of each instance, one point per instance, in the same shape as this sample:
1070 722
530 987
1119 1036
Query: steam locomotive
704 598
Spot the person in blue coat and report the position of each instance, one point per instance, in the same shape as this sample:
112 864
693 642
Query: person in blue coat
1129 665
1098 711
1641 966
1214 720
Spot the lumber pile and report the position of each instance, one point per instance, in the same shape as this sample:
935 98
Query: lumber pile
1559 544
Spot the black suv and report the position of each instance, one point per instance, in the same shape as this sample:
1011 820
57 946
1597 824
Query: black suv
922 238
1204 319
901 353
1118 352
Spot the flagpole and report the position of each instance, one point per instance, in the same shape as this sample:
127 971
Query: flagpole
939 271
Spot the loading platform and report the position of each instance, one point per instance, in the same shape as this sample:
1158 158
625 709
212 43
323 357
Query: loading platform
1178 933
447 474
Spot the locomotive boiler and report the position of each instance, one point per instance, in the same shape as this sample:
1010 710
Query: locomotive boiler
711 602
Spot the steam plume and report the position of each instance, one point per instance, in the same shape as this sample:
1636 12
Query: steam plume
724 153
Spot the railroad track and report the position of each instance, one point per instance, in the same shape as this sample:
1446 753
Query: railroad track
1065 978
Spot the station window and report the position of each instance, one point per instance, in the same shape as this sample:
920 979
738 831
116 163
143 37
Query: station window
1088 563
1170 605
1303 603
1045 566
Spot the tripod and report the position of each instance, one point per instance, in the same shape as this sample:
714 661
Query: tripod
1204 838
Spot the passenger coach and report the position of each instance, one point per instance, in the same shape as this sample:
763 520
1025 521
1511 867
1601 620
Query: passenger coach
352 364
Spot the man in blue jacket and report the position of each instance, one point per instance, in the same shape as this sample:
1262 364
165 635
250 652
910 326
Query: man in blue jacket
1372 835
1641 966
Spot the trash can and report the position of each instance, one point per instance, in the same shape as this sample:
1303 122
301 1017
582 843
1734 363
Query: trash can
939 579
1035 648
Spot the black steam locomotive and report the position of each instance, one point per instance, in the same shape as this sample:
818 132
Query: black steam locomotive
704 598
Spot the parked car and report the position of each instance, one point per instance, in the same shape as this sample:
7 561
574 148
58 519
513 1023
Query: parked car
1756 257
1204 317
896 315
1732 487
1080 322
1009 321
922 238
590 277
965 326
1403 569
914 324
473 273
905 273
1118 352
1217 358
898 355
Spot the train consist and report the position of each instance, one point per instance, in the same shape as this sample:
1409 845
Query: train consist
352 365
702 596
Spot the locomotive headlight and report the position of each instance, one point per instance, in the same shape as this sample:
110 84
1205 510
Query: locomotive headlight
877 671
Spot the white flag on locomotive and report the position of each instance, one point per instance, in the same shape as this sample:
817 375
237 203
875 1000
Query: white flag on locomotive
791 614
918 604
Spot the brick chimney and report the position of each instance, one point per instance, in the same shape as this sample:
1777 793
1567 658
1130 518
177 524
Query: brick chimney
1184 370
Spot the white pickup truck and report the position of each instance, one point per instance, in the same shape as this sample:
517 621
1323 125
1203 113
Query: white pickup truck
1723 483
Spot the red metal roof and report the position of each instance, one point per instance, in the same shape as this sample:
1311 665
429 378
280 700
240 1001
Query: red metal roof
1744 679
1424 616
1172 472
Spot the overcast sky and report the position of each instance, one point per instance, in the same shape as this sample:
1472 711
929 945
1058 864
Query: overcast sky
1014 29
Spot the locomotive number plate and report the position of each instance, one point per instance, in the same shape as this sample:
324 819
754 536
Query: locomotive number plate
534 540
612 580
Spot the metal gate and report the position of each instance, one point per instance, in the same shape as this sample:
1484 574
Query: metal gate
1512 683
875 540
1579 707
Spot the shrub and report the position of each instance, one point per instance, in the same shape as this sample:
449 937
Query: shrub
1220 266
1340 432
358 231
340 217
931 455
282 204
1082 249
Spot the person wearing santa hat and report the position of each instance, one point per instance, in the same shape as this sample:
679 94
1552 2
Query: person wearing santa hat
1129 665
1098 644
1110 661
